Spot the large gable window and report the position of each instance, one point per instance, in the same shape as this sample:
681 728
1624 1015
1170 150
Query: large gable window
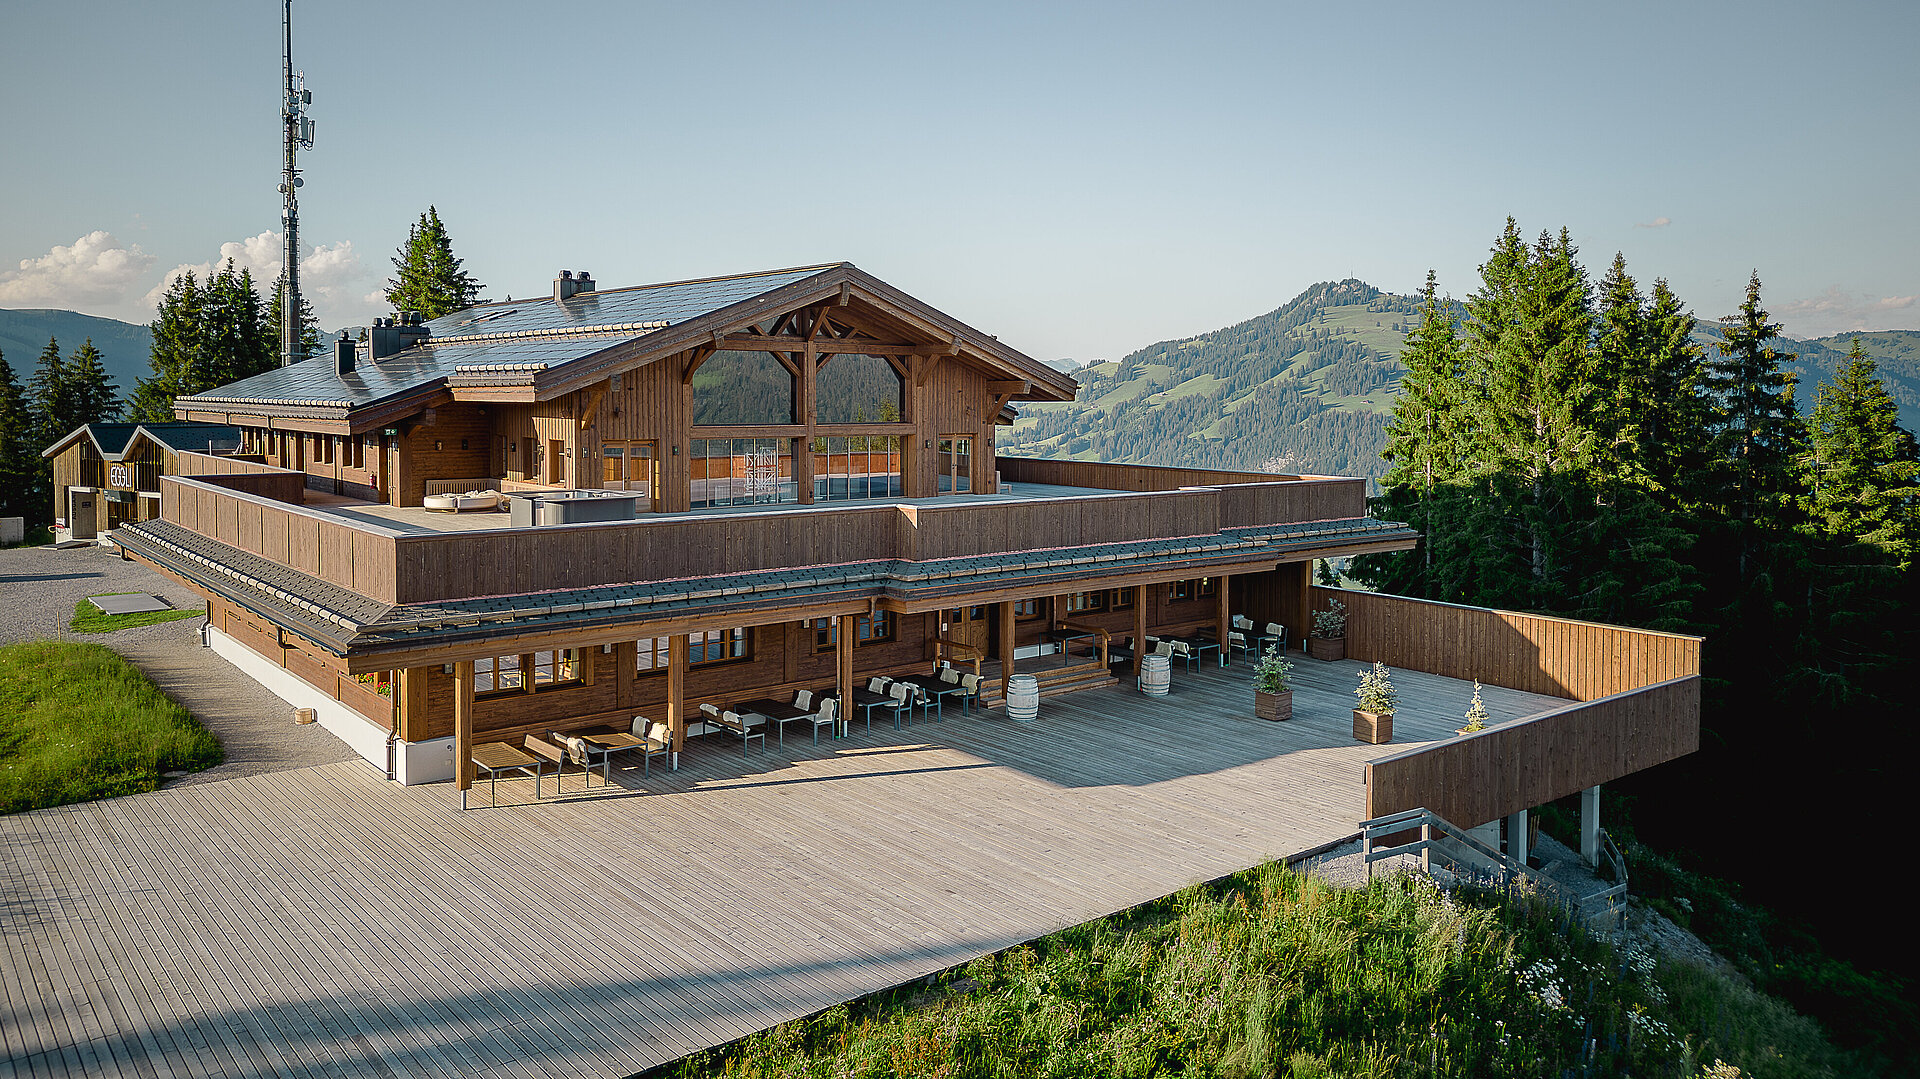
852 388
734 389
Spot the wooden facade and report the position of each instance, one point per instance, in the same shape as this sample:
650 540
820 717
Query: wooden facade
107 475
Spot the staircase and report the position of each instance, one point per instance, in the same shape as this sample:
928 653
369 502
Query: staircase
1448 853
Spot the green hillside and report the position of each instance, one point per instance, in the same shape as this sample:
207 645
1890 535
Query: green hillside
1303 388
125 349
1308 388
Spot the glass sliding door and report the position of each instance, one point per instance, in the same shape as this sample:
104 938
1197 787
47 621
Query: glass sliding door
631 466
861 466
743 471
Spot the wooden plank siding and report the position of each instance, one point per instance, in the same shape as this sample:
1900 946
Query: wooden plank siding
324 672
351 555
1245 498
240 474
1482 777
1537 653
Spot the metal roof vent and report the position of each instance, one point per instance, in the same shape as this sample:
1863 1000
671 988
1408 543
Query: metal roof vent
569 284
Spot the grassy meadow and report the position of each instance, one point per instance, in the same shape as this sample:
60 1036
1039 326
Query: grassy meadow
1272 972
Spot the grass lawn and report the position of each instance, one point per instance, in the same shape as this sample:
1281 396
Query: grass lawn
90 619
78 722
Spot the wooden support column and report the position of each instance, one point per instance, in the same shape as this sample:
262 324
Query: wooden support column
808 416
1139 627
1296 579
625 661
463 728
1223 617
843 664
410 691
1006 647
677 693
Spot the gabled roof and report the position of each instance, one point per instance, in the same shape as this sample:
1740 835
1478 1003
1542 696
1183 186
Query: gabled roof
558 346
115 440
109 438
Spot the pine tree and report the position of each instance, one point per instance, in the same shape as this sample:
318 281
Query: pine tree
309 325
1757 432
1863 475
430 278
94 397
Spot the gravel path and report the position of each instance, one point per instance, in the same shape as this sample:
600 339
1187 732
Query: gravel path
38 588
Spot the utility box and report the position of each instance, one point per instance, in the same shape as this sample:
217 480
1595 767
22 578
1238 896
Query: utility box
12 530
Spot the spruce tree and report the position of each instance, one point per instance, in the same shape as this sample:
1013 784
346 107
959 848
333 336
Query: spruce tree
1863 476
1428 446
1757 432
205 336
51 397
430 279
1675 412
94 397
175 355
1621 368
23 490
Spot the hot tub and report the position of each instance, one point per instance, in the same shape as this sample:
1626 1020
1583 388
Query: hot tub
572 507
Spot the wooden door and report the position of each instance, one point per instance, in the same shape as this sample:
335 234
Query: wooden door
966 625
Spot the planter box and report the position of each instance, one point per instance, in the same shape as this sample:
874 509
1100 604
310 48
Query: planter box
1374 728
1273 706
1327 648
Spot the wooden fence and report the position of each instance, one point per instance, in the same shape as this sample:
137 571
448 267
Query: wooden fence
1561 657
241 474
1482 777
1245 498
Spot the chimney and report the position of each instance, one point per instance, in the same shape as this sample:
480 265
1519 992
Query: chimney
413 328
383 339
567 285
343 354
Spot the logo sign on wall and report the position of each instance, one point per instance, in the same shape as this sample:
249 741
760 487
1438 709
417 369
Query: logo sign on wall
119 476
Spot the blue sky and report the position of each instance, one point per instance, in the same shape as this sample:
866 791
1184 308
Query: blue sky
1081 180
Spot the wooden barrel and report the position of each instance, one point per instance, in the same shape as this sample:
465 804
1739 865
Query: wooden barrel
1023 697
1154 677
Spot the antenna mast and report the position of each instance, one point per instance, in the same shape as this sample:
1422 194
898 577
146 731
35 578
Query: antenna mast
297 130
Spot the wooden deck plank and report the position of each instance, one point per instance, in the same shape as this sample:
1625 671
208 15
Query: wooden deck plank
324 922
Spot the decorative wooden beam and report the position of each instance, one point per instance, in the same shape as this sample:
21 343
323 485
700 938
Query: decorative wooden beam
700 355
591 410
752 342
1010 386
922 367
846 293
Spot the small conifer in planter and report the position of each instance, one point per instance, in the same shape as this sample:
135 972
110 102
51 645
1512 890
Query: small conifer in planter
1328 641
1373 720
1272 690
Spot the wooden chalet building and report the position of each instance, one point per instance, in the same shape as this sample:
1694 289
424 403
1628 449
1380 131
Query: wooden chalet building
792 484
108 474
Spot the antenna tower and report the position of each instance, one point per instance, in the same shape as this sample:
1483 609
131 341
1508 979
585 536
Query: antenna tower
297 129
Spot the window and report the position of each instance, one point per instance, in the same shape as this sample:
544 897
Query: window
1026 608
509 674
1086 601
703 649
742 471
498 675
1121 599
740 388
867 629
851 388
1181 591
863 466
956 464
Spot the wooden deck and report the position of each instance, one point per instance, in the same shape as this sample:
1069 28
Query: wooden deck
323 922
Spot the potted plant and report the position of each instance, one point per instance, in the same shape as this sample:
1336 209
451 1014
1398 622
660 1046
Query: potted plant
1373 720
1477 715
1272 692
1328 641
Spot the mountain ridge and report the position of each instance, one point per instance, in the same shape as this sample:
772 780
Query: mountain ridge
1309 387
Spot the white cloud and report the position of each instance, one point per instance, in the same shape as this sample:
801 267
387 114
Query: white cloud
1836 311
96 271
1656 223
331 275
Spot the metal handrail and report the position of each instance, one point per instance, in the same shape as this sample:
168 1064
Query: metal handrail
1438 833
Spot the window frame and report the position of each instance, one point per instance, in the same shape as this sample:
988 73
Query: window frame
826 631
